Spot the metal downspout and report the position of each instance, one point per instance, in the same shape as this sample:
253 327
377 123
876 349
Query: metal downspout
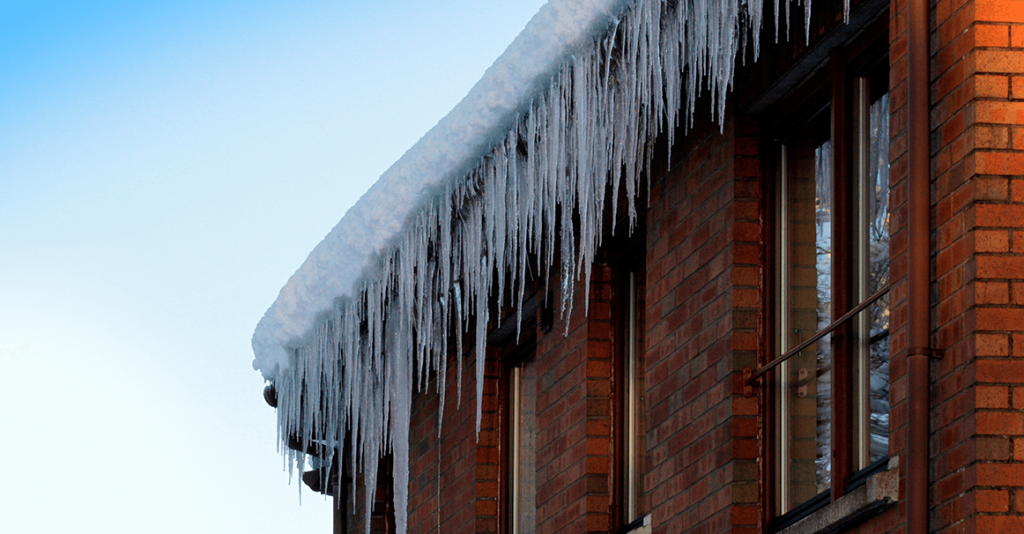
918 232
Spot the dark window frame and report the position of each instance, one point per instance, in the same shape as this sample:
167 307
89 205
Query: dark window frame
510 353
626 254
520 356
514 337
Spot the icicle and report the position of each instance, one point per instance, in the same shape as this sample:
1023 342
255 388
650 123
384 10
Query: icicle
776 4
807 21
399 392
788 13
457 297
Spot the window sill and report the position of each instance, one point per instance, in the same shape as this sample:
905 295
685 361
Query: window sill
880 491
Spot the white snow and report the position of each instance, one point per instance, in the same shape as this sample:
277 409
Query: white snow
560 123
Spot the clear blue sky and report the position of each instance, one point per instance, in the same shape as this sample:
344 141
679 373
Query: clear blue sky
164 168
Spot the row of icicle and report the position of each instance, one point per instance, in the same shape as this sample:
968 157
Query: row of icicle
586 137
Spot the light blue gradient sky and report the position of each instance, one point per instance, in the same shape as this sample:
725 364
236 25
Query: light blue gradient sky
164 168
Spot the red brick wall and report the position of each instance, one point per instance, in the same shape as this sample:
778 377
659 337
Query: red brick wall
703 294
454 476
574 445
977 476
993 143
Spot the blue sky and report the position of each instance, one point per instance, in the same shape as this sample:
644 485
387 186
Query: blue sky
164 168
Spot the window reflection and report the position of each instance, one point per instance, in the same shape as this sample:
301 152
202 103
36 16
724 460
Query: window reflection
635 400
523 465
805 411
872 362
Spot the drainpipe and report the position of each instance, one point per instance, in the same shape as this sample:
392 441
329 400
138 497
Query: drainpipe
918 232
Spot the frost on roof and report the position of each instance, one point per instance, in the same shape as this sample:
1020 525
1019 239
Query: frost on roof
447 151
563 123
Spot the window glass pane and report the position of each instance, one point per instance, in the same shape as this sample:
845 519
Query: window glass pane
524 439
636 445
872 365
806 379
879 263
823 272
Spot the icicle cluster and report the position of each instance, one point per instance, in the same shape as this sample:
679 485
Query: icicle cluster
583 141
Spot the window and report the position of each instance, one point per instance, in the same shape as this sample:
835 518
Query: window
522 493
831 321
804 398
634 429
871 364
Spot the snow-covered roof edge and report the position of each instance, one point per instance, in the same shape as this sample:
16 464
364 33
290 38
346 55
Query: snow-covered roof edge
446 152
584 137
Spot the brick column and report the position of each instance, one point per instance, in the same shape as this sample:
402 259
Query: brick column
703 294
977 393
574 443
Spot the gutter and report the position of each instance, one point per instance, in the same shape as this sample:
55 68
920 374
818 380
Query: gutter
918 232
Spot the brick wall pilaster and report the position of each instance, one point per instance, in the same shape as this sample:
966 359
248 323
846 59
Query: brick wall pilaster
977 476
703 295
574 415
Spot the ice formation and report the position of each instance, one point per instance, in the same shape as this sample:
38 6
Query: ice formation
561 123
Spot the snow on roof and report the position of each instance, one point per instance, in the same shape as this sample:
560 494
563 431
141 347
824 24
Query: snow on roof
446 152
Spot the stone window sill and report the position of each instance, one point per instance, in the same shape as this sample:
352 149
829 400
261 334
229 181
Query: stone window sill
880 491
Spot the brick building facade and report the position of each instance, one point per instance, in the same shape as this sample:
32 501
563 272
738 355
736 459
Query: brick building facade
705 275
